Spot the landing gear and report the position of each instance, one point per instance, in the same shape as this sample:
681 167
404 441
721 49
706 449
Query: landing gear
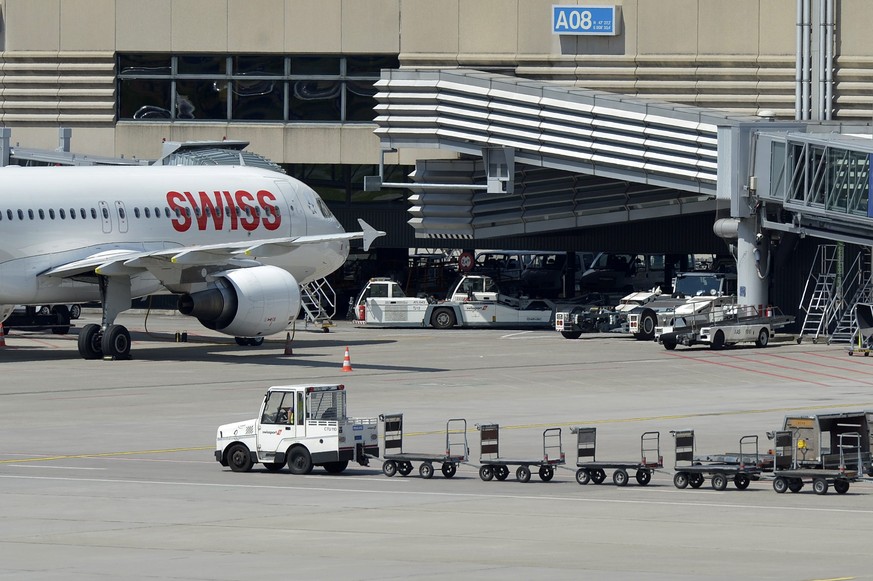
91 342
108 339
249 341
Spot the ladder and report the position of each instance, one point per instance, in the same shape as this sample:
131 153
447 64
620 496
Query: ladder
860 280
318 300
820 297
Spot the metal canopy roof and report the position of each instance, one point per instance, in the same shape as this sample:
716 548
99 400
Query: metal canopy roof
610 157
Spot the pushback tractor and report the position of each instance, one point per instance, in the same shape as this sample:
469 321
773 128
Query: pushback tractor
299 426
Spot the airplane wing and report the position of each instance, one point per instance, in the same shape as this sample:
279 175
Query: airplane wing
128 262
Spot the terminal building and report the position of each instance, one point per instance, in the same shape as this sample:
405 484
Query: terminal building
669 126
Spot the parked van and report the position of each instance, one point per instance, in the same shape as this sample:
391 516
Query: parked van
502 265
544 276
610 272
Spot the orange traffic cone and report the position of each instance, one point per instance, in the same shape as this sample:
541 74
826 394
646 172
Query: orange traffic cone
2 336
347 362
288 350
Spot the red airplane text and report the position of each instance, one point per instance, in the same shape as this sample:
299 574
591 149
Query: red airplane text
210 210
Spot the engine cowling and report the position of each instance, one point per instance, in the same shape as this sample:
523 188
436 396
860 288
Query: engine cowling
246 302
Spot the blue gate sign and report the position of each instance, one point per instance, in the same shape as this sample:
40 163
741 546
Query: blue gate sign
587 20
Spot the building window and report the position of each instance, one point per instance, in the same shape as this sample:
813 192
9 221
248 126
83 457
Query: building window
271 88
340 185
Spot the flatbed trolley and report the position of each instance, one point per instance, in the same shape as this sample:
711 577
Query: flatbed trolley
399 461
591 469
495 466
691 472
788 474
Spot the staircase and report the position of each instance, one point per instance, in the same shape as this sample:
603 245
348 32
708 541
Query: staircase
318 300
859 283
821 296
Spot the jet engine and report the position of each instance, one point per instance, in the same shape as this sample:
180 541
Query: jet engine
246 302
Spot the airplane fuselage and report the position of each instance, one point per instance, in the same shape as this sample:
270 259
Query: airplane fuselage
58 215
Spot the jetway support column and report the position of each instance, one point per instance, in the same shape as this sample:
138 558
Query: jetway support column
752 264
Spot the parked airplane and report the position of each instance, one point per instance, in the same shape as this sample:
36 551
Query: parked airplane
234 243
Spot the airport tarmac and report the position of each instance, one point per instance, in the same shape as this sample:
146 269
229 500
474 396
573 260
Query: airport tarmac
107 468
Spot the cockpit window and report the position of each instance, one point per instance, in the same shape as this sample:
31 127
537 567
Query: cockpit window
325 211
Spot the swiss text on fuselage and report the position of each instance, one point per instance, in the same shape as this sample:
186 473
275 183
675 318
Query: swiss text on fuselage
208 210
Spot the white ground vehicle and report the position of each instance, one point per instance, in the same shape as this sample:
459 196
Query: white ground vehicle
721 326
300 426
475 301
382 303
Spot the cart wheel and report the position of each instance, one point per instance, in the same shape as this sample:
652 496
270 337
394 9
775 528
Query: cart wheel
582 476
719 481
643 476
425 470
780 485
389 468
795 485
405 468
741 481
486 473
546 473
841 486
820 486
619 477
523 474
598 475
449 469
696 480
501 472
680 480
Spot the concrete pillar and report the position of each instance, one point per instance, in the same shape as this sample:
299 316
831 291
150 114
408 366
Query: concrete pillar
752 264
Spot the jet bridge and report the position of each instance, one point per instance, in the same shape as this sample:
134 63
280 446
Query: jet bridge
534 156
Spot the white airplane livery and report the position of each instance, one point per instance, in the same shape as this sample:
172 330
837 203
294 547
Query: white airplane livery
234 243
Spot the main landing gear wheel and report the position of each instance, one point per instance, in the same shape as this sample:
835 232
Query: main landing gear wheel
582 476
449 469
425 470
249 341
62 314
116 342
91 342
238 458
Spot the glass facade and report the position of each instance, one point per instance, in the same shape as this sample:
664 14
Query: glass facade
269 88
340 185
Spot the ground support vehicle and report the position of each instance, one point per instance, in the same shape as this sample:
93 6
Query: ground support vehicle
300 426
864 318
789 474
476 301
590 469
590 318
495 466
722 326
395 460
57 318
818 440
382 303
691 472
701 291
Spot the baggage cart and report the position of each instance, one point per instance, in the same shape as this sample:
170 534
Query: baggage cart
396 460
690 471
790 474
591 469
495 466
